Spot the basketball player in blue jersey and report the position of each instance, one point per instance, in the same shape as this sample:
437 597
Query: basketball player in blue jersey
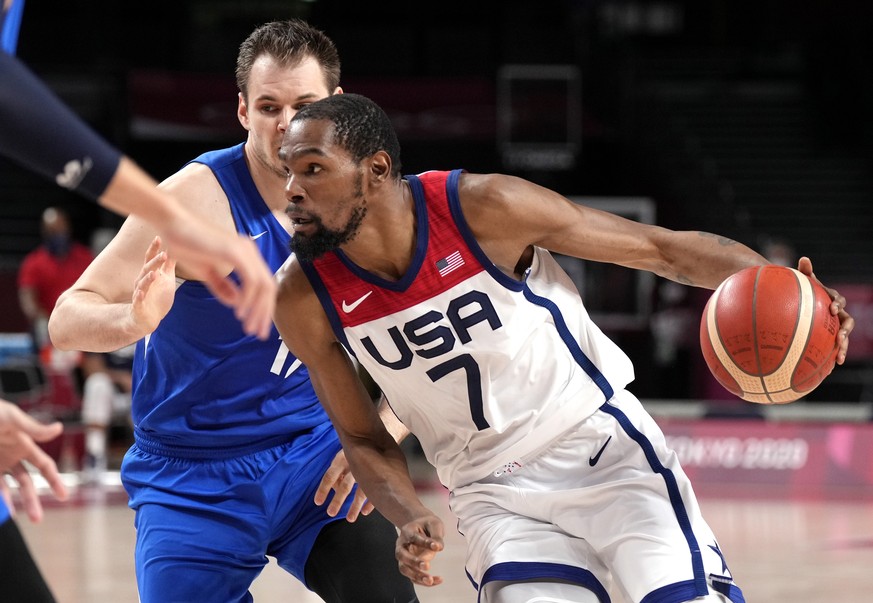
46 136
442 287
231 443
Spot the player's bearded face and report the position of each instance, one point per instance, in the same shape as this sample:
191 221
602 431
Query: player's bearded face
321 239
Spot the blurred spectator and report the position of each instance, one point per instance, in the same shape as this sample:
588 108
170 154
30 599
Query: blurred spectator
779 251
105 396
48 271
675 327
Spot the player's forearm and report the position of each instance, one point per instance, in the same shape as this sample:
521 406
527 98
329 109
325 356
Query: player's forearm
85 321
701 259
383 474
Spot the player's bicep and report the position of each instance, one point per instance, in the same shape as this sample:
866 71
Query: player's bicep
509 214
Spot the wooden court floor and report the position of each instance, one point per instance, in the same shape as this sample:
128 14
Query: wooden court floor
779 551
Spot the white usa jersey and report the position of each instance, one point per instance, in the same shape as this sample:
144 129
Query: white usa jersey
484 369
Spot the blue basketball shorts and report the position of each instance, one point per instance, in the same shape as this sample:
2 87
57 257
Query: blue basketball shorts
205 526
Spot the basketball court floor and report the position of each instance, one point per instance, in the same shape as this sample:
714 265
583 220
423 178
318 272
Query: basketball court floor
812 551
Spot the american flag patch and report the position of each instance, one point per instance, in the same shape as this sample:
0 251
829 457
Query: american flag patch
449 263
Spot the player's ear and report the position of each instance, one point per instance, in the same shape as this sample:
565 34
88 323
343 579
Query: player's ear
380 166
242 111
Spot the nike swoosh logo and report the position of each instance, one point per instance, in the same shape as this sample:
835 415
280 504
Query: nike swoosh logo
593 460
255 237
350 307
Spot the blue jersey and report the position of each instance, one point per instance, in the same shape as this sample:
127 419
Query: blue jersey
202 387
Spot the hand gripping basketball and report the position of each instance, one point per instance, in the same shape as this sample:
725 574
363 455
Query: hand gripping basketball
768 335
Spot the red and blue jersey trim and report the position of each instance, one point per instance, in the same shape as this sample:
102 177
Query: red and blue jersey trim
443 258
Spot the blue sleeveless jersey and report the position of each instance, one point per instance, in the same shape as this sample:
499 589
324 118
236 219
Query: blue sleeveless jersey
202 387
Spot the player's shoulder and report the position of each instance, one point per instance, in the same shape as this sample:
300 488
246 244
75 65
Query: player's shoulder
487 186
193 173
196 186
489 197
292 281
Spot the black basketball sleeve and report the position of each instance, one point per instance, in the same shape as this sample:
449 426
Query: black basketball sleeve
355 562
20 580
40 132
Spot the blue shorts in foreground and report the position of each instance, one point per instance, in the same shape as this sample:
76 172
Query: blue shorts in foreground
204 526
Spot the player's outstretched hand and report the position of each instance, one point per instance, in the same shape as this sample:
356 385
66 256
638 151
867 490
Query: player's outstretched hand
154 289
418 542
19 434
208 253
838 309
339 478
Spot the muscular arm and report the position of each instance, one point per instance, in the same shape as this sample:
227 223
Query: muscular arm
374 456
508 214
127 290
121 296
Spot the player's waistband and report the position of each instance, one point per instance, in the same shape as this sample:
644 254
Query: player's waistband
220 450
534 442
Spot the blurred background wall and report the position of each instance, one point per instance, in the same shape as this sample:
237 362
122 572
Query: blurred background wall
749 118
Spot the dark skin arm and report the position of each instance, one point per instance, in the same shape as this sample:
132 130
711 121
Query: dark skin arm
374 456
339 478
508 215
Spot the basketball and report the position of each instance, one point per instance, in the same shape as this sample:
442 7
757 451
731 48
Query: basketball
768 336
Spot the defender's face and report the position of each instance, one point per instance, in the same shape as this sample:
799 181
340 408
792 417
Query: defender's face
275 93
324 188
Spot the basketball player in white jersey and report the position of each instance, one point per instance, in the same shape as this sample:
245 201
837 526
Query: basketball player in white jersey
442 287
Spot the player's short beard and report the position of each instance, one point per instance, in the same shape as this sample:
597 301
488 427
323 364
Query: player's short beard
322 240
311 246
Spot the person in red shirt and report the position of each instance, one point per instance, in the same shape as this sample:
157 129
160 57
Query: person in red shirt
49 270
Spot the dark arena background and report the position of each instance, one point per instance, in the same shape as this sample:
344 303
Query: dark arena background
752 119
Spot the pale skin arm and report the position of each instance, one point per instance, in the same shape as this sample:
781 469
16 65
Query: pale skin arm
128 289
372 452
206 251
19 434
508 215
121 297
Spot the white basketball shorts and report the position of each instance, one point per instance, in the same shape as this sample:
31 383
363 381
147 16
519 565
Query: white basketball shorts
606 506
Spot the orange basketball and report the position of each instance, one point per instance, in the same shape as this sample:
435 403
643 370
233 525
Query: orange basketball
768 335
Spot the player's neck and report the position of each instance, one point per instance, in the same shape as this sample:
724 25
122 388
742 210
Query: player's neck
386 242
